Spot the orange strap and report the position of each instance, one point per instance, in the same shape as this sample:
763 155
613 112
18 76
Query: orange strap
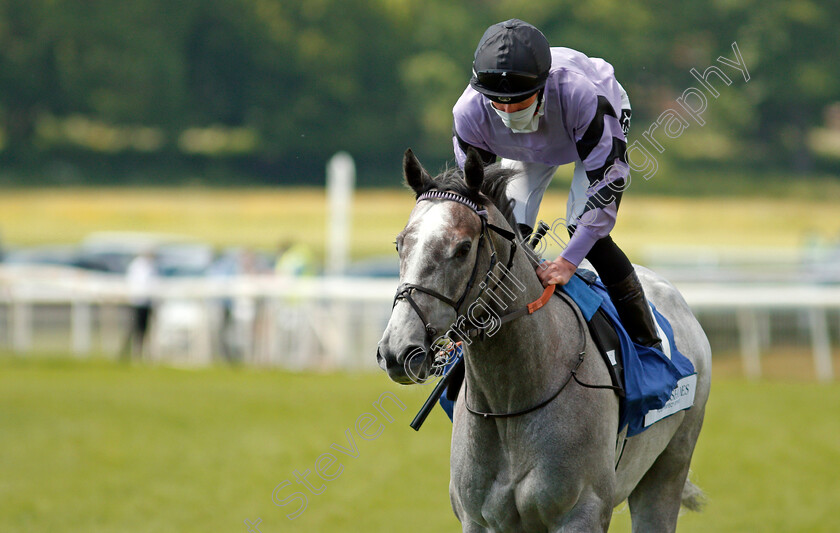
546 296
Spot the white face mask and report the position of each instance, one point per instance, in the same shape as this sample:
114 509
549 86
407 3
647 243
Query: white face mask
523 121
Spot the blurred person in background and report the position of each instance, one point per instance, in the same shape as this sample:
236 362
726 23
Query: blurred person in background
294 259
141 276
239 315
539 107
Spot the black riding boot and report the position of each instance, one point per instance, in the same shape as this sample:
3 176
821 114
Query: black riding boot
628 296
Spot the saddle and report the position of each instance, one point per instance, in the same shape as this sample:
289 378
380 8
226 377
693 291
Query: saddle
605 337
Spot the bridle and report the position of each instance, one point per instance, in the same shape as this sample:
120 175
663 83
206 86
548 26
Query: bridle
405 290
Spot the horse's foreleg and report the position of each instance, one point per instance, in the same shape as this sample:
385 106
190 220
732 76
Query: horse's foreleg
587 516
467 525
472 527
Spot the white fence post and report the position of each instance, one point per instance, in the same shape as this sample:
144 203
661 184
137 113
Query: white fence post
21 326
82 326
750 342
111 334
341 178
821 345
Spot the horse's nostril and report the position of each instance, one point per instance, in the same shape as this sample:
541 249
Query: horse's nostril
409 354
413 361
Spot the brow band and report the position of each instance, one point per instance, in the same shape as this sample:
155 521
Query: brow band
455 197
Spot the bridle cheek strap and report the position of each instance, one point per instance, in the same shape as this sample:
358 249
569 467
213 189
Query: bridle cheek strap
405 290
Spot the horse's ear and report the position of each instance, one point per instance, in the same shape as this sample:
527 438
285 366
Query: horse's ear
473 169
415 176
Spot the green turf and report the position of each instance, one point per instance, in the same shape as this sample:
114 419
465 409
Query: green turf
98 446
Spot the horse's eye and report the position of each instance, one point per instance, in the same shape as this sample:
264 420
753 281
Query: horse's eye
463 249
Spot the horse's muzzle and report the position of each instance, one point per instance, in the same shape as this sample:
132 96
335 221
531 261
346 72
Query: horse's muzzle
407 367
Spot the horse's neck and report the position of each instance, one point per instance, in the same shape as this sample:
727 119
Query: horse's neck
521 363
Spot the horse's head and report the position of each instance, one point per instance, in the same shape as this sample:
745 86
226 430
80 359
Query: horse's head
445 252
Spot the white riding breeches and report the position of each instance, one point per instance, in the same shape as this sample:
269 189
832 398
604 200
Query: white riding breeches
528 187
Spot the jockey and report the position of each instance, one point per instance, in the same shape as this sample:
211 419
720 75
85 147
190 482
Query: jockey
539 107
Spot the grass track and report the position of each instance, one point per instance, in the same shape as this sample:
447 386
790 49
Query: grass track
96 446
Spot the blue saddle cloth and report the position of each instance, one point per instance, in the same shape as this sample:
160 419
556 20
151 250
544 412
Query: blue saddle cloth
650 376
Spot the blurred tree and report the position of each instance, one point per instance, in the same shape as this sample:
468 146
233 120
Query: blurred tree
794 49
28 71
436 68
281 85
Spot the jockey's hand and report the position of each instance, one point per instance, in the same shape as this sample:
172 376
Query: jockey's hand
557 272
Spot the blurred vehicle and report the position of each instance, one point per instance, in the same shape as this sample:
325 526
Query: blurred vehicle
820 263
59 255
184 259
387 266
175 255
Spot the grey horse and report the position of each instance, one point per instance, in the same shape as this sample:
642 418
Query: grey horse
562 466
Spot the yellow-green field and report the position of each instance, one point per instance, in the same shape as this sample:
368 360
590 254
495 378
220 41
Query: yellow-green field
98 446
262 217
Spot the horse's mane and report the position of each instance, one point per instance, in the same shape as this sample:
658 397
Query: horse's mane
492 188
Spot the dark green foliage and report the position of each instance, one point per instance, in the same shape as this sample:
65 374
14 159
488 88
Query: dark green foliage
267 90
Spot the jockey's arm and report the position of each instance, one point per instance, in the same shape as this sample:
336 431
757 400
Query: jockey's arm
461 146
601 146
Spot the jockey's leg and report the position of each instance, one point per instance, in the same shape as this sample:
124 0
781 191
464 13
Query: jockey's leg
625 291
527 189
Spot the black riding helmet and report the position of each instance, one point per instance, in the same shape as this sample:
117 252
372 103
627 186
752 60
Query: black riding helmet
511 62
